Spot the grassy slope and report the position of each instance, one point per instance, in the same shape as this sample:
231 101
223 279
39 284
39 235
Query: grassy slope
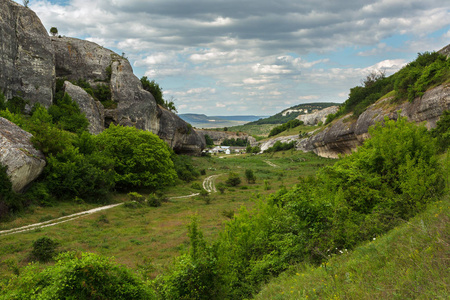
149 238
409 262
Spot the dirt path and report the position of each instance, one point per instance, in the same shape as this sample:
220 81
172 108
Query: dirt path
208 184
271 164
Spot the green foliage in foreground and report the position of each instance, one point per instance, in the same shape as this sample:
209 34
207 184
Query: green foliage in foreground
77 276
388 180
410 262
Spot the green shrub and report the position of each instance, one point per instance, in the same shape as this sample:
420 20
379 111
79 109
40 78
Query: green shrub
77 276
136 197
184 167
233 179
44 249
442 132
195 275
196 186
153 200
250 176
67 114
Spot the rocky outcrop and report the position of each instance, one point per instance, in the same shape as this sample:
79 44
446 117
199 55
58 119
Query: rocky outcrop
78 59
345 135
219 136
24 162
283 139
318 116
93 109
26 55
179 134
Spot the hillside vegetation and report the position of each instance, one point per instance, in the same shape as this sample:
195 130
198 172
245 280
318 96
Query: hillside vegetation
428 70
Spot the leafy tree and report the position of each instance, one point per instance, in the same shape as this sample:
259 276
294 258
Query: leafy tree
141 159
233 179
250 176
25 2
442 131
209 140
70 174
54 31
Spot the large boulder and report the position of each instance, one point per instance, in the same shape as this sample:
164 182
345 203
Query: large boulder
27 66
93 109
24 162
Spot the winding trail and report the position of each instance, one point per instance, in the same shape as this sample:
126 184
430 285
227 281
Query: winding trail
208 184
271 164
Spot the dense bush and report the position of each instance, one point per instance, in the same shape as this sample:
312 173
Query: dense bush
70 174
209 140
442 132
280 146
184 168
141 159
77 276
66 113
233 179
195 275
44 249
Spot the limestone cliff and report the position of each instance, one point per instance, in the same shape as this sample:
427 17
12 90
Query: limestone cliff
219 136
27 66
318 116
78 59
24 162
344 135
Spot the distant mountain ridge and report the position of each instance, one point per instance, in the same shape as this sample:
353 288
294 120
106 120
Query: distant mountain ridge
204 121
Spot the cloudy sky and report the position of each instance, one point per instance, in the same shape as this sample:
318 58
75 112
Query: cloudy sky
237 57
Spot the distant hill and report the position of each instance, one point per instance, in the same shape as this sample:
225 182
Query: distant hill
293 112
204 121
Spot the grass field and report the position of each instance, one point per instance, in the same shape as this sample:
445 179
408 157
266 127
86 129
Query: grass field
149 238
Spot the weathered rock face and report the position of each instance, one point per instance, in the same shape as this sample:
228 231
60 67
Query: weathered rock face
77 59
24 162
319 116
219 136
179 134
94 111
284 139
26 55
344 137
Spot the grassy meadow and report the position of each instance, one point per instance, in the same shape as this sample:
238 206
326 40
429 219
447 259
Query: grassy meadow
146 238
